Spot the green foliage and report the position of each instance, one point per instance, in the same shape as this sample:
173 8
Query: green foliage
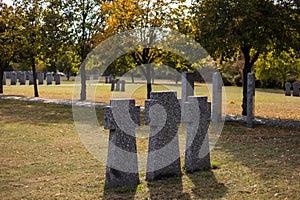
274 70
227 28
224 27
232 73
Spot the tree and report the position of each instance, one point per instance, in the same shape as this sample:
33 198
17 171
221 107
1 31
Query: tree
255 27
29 34
55 33
139 14
7 37
84 18
275 70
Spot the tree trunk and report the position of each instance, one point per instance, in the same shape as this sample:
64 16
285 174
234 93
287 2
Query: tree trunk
132 77
83 83
36 93
1 79
247 69
148 78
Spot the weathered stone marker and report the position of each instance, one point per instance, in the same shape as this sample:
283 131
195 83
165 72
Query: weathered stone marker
8 74
30 77
121 118
287 89
49 78
112 86
57 79
296 88
250 99
197 116
40 77
27 75
117 84
187 87
4 78
163 149
13 78
216 98
18 75
110 79
123 82
22 78
95 77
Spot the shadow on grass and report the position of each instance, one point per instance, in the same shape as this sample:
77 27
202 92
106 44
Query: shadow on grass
119 193
206 185
40 113
199 184
273 91
170 188
271 152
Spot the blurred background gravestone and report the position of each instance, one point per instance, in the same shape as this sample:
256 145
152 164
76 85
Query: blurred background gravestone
287 89
296 88
250 99
13 78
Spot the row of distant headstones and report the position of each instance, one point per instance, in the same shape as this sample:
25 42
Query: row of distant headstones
296 89
22 77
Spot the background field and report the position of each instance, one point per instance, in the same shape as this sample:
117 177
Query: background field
42 157
269 103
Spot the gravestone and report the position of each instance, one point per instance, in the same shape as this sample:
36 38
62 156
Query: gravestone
287 89
122 118
163 149
197 116
18 75
148 103
123 82
40 77
250 99
118 82
49 78
110 79
22 78
27 75
95 77
13 78
296 88
8 74
187 87
30 76
57 79
216 97
4 78
112 87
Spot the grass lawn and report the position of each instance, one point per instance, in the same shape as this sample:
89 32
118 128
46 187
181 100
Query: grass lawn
42 157
269 103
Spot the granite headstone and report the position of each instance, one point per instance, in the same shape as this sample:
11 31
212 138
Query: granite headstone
296 88
197 117
122 118
13 78
163 149
287 89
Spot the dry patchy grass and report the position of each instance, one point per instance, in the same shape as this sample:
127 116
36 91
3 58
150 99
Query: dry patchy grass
42 157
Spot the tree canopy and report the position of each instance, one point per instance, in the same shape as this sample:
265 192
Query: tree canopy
227 28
